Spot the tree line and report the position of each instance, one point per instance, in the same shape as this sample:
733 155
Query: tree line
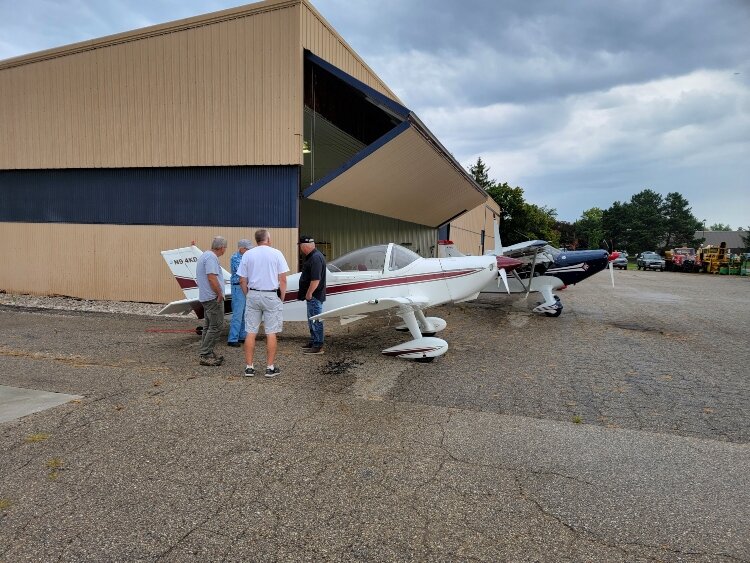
648 221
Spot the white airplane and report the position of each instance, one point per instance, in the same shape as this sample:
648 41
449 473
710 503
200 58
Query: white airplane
385 277
545 269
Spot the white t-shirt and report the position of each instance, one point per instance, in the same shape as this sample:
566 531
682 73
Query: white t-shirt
261 266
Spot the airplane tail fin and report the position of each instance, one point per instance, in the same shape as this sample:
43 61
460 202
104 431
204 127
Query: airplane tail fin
182 263
446 249
498 242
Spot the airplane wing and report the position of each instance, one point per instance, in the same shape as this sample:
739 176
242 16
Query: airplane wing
527 248
183 307
357 311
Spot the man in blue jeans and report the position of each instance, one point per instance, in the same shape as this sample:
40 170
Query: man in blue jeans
312 288
237 332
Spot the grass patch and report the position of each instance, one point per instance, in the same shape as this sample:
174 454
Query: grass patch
577 419
5 503
38 437
55 465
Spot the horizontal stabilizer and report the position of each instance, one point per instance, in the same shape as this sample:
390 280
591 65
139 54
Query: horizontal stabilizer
182 307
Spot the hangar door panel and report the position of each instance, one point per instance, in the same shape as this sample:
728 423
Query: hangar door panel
342 229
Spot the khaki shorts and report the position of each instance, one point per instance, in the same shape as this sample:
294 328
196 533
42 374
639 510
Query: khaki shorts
266 307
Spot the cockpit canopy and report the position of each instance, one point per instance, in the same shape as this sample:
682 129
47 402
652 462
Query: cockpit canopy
372 259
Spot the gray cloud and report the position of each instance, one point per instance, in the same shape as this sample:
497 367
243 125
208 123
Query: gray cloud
580 102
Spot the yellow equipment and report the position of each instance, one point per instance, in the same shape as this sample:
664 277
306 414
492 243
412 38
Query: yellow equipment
714 258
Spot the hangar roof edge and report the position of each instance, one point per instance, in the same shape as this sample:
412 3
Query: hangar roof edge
150 31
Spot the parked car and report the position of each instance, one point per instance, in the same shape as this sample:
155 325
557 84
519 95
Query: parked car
650 261
621 261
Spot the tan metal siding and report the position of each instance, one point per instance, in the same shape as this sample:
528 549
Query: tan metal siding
348 229
321 39
112 262
466 231
228 93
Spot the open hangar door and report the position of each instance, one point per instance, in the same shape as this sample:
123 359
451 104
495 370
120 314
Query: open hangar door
372 173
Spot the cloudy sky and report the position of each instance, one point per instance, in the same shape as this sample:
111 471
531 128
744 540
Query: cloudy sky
579 102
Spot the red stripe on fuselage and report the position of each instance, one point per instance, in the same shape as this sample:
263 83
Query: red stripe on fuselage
388 282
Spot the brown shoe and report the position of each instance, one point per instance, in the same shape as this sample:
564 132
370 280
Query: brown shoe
314 350
306 346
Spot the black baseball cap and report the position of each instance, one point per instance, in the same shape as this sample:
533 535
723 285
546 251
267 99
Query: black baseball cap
304 239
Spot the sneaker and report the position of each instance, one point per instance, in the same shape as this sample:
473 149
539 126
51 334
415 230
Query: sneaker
249 372
306 346
272 372
314 350
217 358
209 361
234 344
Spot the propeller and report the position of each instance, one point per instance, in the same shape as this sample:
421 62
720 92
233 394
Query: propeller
612 257
503 275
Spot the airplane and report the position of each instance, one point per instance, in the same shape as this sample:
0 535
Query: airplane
380 278
548 268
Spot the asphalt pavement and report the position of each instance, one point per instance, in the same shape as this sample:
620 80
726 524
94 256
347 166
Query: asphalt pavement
616 432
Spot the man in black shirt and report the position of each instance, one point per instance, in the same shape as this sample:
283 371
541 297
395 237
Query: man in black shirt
312 288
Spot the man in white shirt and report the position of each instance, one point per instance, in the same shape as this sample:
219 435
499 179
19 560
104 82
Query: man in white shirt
263 272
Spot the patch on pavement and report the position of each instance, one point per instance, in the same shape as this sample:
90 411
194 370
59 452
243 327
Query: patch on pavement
16 402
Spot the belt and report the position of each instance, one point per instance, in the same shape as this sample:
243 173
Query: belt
235 284
266 290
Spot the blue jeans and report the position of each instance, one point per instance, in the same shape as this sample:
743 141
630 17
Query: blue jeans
315 307
237 326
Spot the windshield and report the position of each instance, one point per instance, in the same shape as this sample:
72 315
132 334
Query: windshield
369 259
555 252
401 257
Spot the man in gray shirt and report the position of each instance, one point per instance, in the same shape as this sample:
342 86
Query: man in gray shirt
210 281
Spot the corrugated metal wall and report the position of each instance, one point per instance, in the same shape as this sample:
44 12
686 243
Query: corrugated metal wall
320 38
115 262
466 231
232 196
348 229
227 93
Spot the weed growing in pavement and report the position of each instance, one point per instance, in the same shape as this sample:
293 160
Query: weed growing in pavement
5 503
38 437
54 465
577 419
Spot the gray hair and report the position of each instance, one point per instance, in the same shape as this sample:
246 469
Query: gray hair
244 243
262 235
218 242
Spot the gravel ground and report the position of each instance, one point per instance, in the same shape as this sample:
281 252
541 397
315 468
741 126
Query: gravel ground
616 432
63 303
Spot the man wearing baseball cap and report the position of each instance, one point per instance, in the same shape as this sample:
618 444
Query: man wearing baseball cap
312 289
237 332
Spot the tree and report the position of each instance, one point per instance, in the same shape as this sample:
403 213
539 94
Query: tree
647 222
720 227
567 231
589 228
481 174
617 226
746 238
680 222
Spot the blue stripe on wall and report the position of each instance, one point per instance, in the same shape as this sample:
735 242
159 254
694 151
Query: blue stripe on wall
234 196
